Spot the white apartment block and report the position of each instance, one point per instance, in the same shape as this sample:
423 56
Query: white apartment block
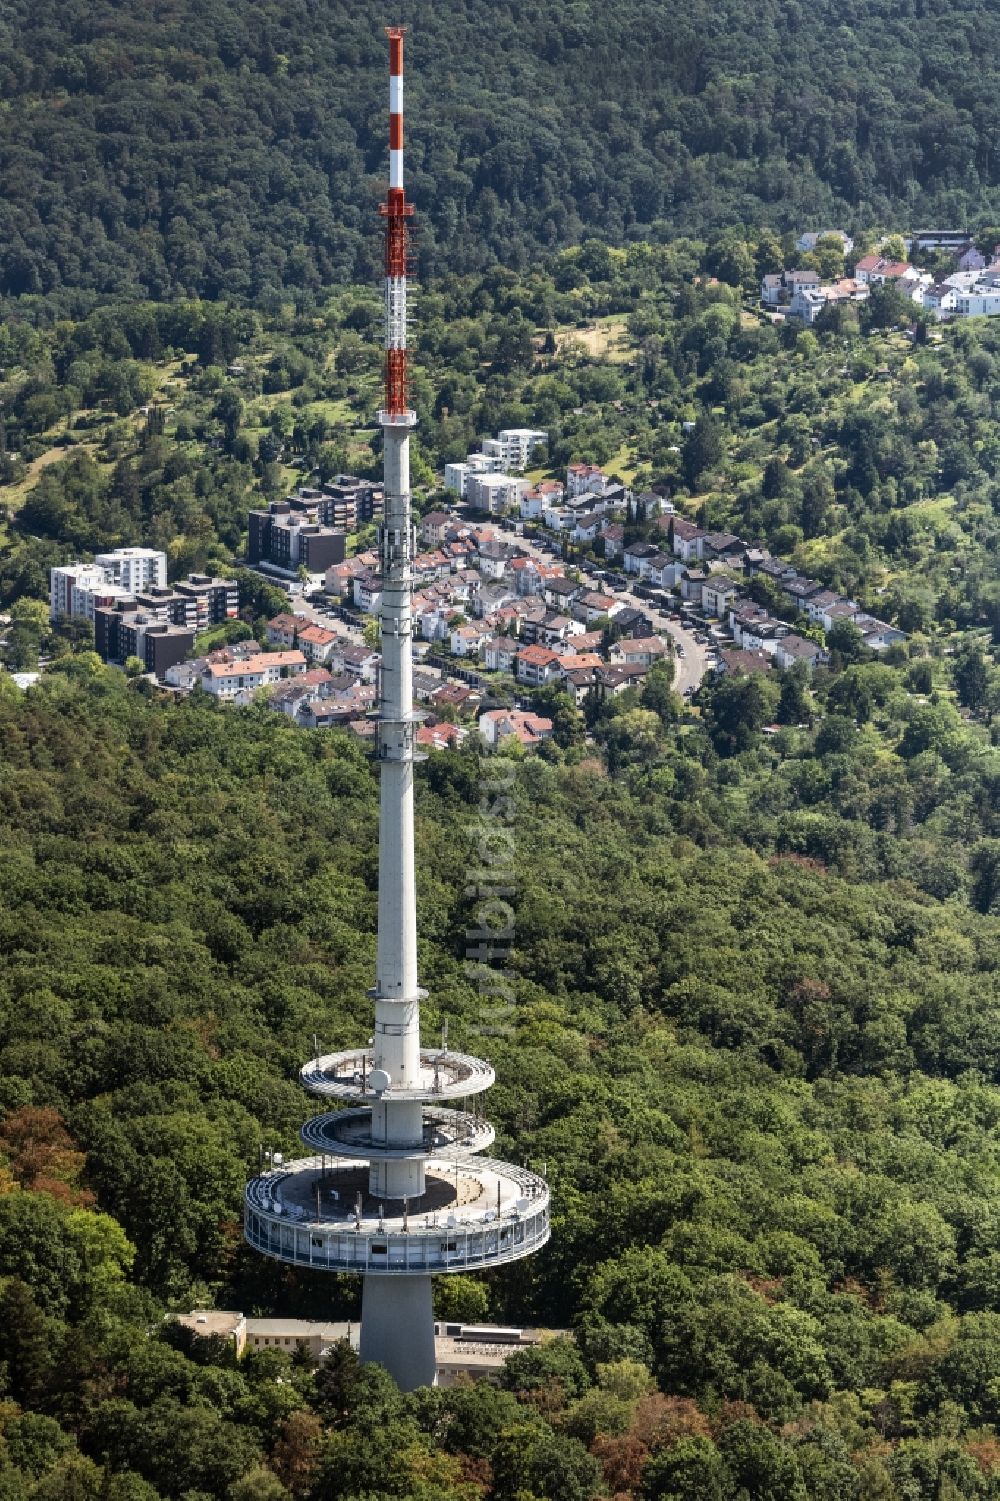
134 568
513 446
79 589
456 476
495 493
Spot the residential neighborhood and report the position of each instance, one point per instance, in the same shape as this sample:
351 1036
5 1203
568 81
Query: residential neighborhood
499 611
969 288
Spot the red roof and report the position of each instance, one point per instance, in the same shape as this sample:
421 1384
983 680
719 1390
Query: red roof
537 656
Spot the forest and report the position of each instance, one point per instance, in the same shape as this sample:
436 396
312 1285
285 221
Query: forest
764 1078
220 149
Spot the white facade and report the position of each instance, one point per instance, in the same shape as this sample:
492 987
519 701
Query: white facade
456 476
231 680
980 302
134 568
78 588
495 493
513 446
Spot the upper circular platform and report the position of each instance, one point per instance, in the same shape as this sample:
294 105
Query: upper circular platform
443 1076
348 1133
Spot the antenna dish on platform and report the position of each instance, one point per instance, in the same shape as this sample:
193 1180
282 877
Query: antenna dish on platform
379 1080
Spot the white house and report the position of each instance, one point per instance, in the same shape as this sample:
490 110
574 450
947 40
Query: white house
584 479
241 679
940 299
812 237
468 640
368 592
500 724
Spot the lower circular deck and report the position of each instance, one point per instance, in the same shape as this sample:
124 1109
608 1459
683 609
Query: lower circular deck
474 1214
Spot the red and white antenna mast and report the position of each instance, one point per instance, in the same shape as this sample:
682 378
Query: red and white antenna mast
396 212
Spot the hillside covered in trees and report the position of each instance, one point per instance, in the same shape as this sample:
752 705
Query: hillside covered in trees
222 148
766 1087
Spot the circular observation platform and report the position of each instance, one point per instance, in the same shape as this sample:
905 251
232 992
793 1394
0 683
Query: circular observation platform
474 1214
348 1133
443 1076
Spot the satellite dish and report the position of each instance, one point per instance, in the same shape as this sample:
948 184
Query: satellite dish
277 1159
522 1205
379 1080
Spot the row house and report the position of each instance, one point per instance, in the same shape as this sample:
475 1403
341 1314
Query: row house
718 594
238 681
817 606
722 547
500 653
755 630
688 539
776 569
799 590
876 634
844 609
368 592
